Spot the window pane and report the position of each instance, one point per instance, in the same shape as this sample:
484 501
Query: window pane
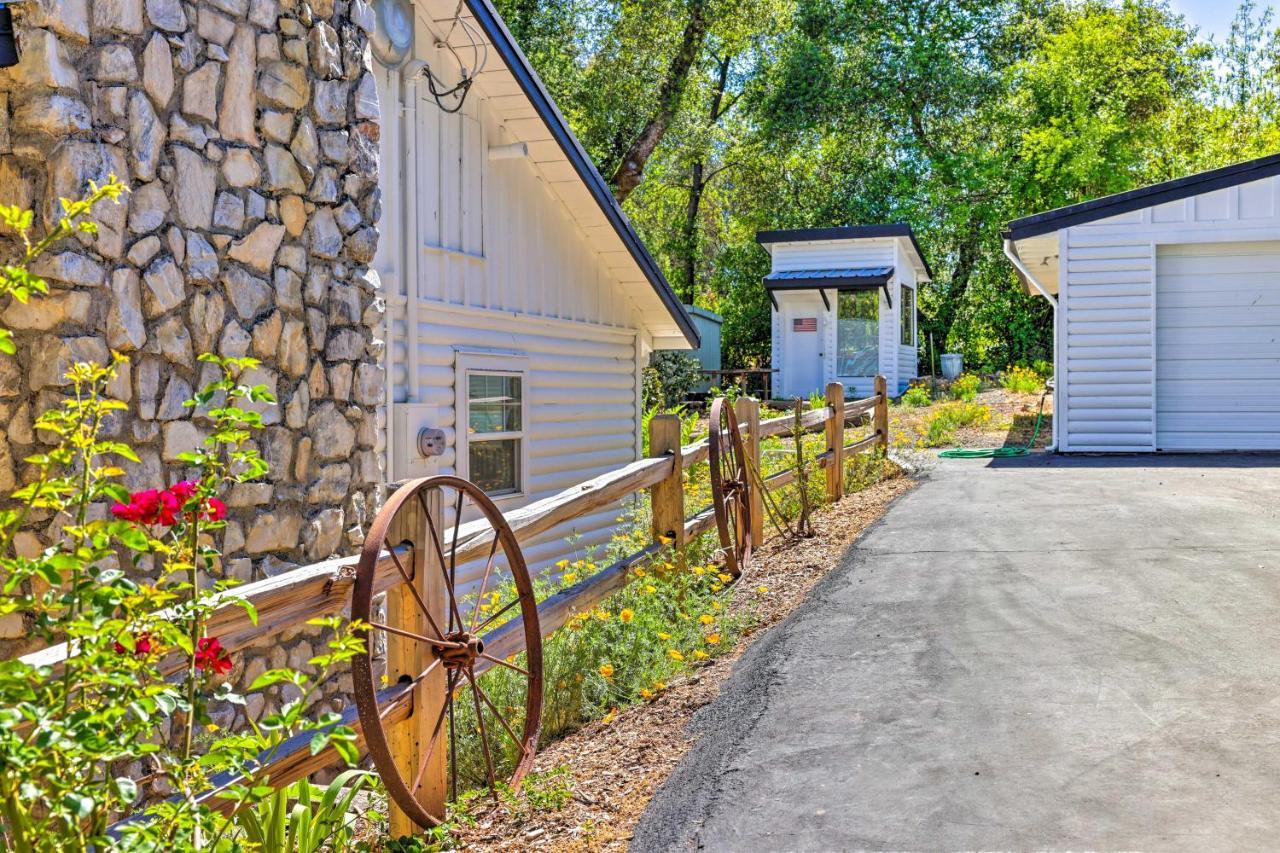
495 465
493 403
908 316
858 333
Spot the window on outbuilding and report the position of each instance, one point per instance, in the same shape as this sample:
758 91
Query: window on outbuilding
858 333
492 409
907 321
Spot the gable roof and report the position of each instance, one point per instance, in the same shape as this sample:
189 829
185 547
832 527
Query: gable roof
848 232
495 29
1126 202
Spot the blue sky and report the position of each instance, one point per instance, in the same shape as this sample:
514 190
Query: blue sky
1212 16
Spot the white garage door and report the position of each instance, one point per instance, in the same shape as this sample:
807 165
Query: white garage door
1218 347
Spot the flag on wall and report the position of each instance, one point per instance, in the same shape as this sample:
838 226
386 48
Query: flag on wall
804 324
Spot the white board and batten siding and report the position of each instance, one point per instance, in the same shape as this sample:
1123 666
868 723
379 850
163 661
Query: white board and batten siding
1172 318
497 271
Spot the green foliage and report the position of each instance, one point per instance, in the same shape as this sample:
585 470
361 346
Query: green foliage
674 373
916 396
1043 368
941 426
1023 380
965 387
304 817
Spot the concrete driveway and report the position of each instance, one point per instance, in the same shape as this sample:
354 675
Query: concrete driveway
1051 653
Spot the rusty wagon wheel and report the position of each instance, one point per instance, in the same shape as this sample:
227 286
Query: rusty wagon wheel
730 487
446 628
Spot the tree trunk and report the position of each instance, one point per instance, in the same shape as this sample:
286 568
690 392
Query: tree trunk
631 171
698 181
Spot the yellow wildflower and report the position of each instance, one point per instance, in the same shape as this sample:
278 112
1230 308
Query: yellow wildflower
715 605
665 540
606 669
659 685
706 618
603 615
640 572
646 693
762 589
725 578
699 654
664 636
715 587
712 639
698 570
609 717
560 564
674 655
627 614
650 588
569 577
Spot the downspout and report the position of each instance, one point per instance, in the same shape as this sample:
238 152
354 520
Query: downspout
1011 252
411 240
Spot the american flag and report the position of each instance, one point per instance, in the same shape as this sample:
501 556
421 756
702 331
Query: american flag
804 324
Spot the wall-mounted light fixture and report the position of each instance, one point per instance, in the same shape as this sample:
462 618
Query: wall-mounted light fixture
8 43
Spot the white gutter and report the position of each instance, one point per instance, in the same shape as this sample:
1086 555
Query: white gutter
1011 252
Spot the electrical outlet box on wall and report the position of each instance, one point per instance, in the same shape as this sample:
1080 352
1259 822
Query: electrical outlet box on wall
417 441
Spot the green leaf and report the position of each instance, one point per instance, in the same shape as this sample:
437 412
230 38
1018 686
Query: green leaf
80 805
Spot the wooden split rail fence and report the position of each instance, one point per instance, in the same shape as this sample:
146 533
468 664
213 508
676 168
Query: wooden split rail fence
323 589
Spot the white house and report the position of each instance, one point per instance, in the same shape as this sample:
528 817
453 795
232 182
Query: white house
521 305
844 307
1167 312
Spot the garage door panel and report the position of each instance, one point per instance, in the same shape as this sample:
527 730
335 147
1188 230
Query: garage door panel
1218 347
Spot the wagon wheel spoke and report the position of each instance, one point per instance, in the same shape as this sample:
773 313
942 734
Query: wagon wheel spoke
423 759
453 746
484 734
410 635
494 708
510 604
484 581
501 662
417 596
435 538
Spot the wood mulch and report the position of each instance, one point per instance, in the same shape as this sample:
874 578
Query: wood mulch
616 767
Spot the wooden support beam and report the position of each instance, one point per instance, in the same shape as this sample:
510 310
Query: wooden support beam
407 658
835 441
667 495
748 413
882 413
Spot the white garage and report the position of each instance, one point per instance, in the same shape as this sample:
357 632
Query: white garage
1166 312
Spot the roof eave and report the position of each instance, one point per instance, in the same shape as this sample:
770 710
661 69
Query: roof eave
531 84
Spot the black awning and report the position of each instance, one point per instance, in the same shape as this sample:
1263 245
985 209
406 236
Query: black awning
853 278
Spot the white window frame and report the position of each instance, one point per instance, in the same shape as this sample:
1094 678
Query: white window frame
491 364
915 311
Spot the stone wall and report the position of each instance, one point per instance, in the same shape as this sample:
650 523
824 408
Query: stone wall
248 133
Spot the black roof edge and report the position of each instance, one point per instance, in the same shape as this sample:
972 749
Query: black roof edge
846 232
1137 199
496 30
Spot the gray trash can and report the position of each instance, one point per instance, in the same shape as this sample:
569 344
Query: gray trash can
952 365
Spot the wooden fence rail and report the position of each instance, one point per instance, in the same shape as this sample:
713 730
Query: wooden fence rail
293 597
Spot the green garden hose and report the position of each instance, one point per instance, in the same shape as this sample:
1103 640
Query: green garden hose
999 452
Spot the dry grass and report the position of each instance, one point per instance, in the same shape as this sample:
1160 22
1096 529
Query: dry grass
617 766
1013 418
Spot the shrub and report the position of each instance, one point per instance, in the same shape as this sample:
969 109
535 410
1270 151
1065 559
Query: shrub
942 424
965 387
674 375
1022 380
1043 368
916 396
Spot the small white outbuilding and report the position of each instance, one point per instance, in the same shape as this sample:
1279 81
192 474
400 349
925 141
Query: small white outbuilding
844 307
1166 312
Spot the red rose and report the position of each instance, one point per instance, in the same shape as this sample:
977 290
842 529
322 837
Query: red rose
141 645
211 657
217 510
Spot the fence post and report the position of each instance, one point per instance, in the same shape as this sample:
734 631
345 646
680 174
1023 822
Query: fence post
408 658
835 441
882 414
748 412
667 496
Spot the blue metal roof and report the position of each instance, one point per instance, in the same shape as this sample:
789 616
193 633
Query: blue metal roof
832 278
